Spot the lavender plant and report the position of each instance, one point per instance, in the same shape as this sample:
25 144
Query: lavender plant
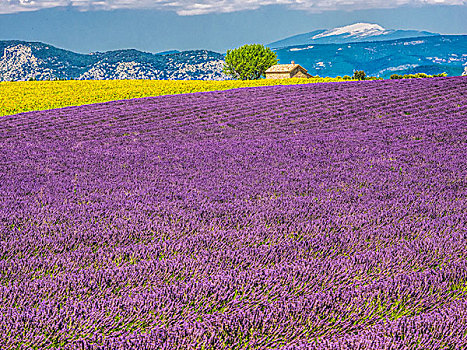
328 216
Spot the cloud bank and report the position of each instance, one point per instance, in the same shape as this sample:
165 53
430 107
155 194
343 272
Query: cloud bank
200 7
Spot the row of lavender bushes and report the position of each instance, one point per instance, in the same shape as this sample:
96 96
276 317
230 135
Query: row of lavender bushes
321 216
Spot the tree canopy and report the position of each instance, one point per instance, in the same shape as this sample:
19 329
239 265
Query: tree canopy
359 75
249 62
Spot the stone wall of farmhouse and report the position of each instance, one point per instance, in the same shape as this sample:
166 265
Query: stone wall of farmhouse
283 75
299 74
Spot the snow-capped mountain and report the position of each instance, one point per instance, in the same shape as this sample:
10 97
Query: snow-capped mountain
21 60
358 32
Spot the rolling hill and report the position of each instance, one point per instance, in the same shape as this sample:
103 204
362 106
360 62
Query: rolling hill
434 54
431 55
313 217
25 60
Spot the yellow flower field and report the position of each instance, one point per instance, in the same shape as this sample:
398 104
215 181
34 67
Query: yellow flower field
17 97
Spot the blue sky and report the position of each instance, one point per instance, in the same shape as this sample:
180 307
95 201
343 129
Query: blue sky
158 25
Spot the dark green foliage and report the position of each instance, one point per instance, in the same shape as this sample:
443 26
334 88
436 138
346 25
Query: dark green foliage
417 75
347 77
249 62
359 75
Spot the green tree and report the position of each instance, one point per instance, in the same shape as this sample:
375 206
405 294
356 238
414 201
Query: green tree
249 62
422 75
359 75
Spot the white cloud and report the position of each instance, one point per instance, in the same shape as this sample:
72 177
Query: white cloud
199 7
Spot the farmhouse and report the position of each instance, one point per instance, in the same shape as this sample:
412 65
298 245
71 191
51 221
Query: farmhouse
284 71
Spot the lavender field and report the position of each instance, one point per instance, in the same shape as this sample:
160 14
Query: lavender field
321 216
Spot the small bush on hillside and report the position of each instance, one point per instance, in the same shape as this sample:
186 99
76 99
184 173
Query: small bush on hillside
417 76
422 75
359 75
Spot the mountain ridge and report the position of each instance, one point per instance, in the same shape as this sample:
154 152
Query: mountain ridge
431 55
357 32
22 60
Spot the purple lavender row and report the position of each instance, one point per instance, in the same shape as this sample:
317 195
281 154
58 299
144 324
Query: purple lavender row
323 216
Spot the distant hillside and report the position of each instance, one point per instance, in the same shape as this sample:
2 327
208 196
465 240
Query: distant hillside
358 32
431 55
21 60
168 52
24 60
